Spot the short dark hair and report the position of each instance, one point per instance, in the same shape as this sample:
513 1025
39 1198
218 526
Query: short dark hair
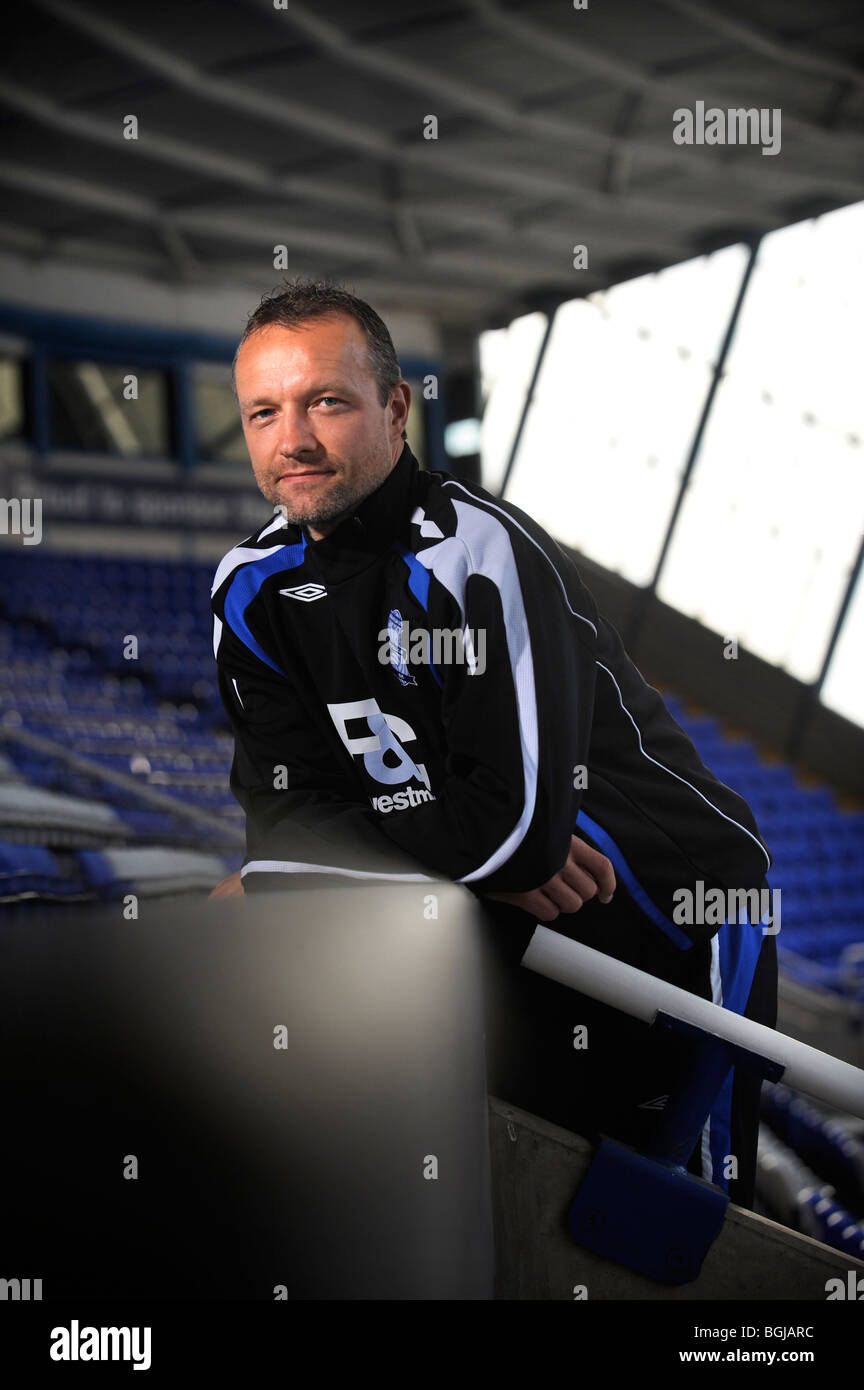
299 300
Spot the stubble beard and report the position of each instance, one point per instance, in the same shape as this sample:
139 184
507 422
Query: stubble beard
339 503
342 498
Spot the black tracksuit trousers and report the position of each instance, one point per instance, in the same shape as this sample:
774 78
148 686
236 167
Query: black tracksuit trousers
606 1087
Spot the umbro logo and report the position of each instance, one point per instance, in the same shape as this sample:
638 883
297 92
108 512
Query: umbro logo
305 592
658 1103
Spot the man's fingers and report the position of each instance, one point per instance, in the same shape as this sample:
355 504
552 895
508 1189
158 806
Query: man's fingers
585 874
562 894
230 887
596 864
543 906
580 881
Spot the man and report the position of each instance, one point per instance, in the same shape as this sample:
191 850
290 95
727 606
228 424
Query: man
421 687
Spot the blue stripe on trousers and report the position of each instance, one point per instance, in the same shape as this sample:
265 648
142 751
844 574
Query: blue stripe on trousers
739 945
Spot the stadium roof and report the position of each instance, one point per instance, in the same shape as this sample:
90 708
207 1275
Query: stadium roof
301 123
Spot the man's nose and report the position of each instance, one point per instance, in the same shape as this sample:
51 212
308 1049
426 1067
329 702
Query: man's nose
295 434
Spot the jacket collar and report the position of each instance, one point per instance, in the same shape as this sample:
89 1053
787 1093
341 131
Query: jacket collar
374 525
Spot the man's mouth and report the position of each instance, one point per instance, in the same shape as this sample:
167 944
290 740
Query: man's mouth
297 475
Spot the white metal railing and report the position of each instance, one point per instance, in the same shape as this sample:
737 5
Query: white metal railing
642 996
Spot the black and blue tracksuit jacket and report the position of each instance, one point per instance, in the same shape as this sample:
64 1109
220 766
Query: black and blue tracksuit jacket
366 749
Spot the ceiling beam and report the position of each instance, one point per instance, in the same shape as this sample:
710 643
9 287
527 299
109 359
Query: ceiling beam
769 45
464 304
422 155
476 265
462 215
504 114
589 57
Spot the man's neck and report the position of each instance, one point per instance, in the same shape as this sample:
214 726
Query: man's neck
324 528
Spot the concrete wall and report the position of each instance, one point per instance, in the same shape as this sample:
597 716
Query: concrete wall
536 1171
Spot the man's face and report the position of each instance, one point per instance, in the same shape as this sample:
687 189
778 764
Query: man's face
317 435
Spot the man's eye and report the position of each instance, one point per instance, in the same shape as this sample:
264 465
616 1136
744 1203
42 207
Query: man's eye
337 399
258 413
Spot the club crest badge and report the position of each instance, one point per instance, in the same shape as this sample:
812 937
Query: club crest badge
398 653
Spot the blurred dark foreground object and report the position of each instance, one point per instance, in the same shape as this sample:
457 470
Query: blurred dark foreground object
299 1079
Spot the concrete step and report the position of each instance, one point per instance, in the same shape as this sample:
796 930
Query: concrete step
537 1168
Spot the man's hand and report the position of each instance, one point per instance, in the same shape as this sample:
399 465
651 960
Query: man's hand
585 874
230 887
